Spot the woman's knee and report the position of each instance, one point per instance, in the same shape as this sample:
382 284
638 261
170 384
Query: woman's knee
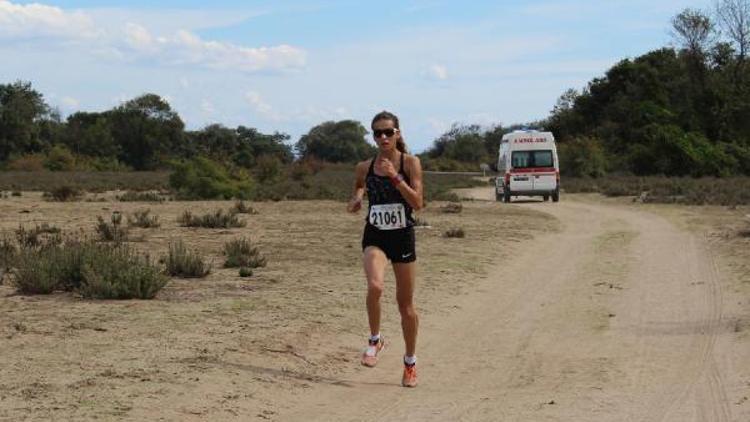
375 288
407 309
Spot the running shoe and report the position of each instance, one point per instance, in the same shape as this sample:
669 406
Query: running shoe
370 355
410 376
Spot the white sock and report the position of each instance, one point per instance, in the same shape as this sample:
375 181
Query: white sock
375 338
410 360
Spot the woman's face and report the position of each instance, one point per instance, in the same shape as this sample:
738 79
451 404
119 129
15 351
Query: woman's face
385 134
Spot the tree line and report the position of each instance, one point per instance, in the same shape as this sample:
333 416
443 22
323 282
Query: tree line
144 133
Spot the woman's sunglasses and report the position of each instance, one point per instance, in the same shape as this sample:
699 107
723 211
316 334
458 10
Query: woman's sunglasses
377 133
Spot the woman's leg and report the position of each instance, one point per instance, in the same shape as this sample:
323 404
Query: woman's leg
405 281
374 261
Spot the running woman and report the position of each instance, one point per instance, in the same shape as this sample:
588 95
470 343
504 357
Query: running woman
393 180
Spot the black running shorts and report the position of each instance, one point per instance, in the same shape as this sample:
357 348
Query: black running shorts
398 245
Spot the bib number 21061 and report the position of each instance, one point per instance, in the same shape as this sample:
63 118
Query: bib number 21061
388 216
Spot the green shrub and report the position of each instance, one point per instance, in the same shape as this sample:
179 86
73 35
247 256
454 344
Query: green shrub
121 273
132 196
217 220
15 193
57 267
59 158
94 270
268 169
37 271
202 178
142 219
246 272
8 253
39 236
63 193
242 253
113 231
583 157
183 263
457 232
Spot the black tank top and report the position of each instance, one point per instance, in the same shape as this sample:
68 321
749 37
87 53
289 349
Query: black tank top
380 190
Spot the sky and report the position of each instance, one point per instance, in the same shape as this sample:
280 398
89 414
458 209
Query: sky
289 65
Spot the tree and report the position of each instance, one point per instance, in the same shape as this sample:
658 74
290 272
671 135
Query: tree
694 31
21 108
147 130
337 142
90 134
734 17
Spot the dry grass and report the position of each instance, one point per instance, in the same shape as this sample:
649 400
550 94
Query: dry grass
215 337
674 190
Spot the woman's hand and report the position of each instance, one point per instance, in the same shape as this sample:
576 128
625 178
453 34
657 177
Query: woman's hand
354 205
386 167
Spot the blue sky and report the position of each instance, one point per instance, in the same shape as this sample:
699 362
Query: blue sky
289 65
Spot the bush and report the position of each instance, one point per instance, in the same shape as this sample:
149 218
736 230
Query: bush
114 231
37 271
268 168
183 263
242 253
31 162
217 220
15 193
457 233
142 219
59 158
202 178
8 254
240 207
93 270
132 196
39 236
246 272
452 208
582 157
120 273
63 193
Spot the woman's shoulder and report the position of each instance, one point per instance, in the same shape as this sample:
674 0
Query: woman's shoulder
411 159
363 165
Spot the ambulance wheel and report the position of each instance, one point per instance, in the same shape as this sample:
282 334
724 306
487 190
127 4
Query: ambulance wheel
556 196
546 198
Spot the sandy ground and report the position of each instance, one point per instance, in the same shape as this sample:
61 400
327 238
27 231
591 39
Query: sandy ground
584 310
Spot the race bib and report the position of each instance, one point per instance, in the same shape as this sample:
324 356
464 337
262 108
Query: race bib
388 216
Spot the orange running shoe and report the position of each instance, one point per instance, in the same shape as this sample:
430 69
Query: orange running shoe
370 355
410 376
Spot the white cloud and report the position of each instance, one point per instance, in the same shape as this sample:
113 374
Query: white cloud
207 107
41 21
438 71
260 106
186 48
70 103
135 42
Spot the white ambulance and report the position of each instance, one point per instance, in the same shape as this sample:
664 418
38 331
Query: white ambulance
528 166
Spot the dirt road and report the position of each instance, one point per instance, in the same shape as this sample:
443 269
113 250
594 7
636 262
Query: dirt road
618 317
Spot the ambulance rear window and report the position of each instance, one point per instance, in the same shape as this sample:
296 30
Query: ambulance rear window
532 159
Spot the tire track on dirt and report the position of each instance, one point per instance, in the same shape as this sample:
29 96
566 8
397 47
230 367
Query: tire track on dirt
539 340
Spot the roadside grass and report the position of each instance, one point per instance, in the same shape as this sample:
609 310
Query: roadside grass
326 181
669 190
